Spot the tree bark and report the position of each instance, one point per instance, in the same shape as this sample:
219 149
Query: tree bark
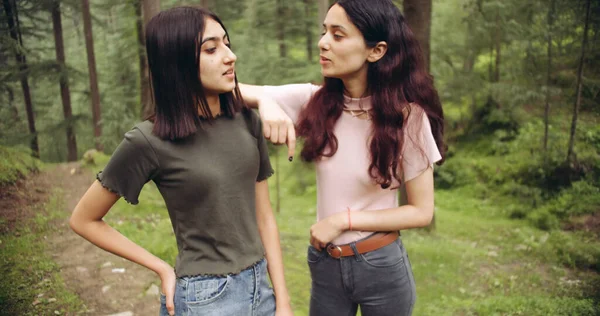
15 34
146 9
323 6
548 75
307 31
497 47
207 4
95 95
570 153
280 24
418 16
64 82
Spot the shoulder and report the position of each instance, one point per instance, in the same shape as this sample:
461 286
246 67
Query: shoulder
415 117
140 135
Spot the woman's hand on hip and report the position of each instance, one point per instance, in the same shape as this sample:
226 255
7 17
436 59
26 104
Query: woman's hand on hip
326 230
168 279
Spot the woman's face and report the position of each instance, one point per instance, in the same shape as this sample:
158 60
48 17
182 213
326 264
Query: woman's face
343 49
217 61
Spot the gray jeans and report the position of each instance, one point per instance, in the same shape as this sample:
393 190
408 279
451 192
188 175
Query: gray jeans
381 282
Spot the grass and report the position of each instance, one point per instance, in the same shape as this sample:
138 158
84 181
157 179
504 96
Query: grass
16 162
31 280
477 262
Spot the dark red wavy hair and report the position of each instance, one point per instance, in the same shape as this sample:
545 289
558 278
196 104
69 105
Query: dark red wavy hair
396 80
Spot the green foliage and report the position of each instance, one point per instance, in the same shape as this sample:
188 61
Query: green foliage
27 270
15 163
507 164
476 262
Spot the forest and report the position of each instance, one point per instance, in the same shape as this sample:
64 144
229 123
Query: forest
517 222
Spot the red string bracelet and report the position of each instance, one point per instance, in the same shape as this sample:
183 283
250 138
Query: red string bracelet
349 220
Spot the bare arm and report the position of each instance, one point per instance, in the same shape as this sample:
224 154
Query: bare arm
269 235
277 125
87 221
252 94
417 213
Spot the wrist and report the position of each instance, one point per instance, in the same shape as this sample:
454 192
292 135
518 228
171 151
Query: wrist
163 268
262 101
282 299
342 221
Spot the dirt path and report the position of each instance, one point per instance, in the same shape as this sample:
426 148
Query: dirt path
93 274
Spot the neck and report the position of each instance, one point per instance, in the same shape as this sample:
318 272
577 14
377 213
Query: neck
355 86
214 104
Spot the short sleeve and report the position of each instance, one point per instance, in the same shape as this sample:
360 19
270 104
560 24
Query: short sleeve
292 97
132 164
265 168
420 150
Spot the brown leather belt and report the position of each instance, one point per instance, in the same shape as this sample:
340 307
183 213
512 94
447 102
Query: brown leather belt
373 242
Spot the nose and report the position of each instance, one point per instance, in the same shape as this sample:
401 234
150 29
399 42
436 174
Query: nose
324 43
230 57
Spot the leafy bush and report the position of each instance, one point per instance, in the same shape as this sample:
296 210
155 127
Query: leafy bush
16 162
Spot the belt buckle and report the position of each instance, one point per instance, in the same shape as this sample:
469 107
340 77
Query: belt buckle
331 248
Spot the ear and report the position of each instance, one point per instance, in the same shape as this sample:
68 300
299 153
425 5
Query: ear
377 52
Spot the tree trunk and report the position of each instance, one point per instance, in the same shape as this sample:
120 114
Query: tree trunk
280 21
418 16
548 75
497 46
307 30
76 22
207 4
145 9
491 65
15 34
469 61
323 6
570 153
89 46
64 82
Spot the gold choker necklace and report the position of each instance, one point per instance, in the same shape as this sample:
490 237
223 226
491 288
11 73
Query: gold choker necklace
360 114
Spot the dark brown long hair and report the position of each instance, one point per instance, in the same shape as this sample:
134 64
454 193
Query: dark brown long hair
173 48
396 80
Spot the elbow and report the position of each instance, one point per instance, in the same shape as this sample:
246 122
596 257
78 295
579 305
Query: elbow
428 217
75 224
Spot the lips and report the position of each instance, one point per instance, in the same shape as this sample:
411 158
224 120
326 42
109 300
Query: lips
323 58
229 72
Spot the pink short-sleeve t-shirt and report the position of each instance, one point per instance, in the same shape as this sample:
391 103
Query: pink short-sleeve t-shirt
343 180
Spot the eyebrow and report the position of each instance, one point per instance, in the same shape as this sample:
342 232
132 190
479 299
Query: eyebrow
213 38
335 26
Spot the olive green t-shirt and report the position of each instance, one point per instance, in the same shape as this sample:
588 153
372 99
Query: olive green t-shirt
208 183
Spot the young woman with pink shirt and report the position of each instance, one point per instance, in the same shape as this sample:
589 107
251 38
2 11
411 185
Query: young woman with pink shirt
374 127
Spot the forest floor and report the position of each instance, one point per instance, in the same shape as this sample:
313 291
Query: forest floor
476 262
102 283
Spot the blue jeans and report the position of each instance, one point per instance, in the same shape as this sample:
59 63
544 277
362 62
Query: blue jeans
381 282
245 294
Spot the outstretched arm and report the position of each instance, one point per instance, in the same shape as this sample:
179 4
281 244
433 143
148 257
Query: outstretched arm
277 125
279 108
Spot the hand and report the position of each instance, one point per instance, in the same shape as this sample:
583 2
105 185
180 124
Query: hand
284 309
325 230
277 126
167 279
